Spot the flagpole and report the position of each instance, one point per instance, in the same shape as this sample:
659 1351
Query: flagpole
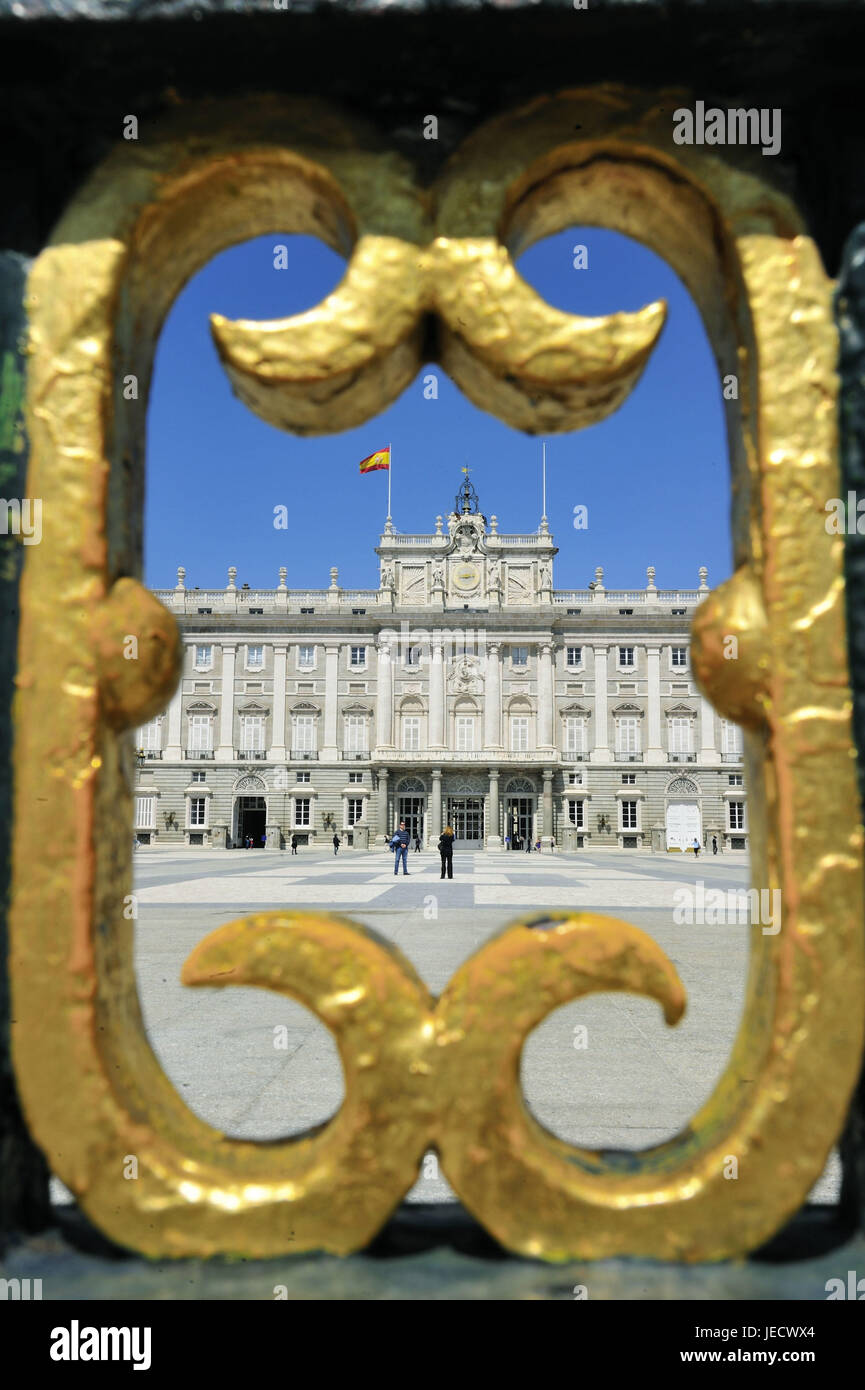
389 470
544 487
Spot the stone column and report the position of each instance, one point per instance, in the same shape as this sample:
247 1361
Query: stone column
277 749
173 750
708 752
545 695
494 839
384 698
225 751
493 697
383 775
437 696
547 805
654 752
436 807
329 748
601 752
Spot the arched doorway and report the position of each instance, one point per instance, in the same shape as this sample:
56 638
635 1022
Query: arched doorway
683 819
520 812
411 806
465 812
249 818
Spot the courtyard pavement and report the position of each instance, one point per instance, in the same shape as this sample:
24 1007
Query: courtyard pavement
634 1084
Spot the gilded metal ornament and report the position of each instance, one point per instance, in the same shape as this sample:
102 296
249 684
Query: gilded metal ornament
419 1073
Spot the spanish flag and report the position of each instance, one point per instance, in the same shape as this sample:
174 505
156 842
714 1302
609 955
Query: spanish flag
379 460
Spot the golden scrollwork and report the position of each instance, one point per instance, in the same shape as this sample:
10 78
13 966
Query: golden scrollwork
93 1092
511 352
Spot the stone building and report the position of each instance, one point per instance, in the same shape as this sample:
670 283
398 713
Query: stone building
465 689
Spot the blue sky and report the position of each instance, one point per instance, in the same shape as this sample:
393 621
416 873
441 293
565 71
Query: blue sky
654 476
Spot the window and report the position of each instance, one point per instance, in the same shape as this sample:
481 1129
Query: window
355 733
629 779
465 730
735 779
627 735
680 734
301 810
411 731
255 658
412 656
256 610
626 656
203 658
731 740
358 656
150 736
519 733
355 777
358 611
574 612
678 612
355 809
574 655
575 734
303 776
252 733
307 610
145 813
199 775
198 810
519 656
629 815
626 612
200 733
205 610
679 656
306 657
576 814
737 815
575 779
303 733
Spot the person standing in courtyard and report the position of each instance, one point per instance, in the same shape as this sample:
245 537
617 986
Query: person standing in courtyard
294 844
696 848
446 850
336 844
417 842
714 844
399 844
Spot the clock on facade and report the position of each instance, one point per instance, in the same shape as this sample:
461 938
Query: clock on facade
466 576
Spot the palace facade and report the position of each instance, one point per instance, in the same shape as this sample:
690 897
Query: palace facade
464 690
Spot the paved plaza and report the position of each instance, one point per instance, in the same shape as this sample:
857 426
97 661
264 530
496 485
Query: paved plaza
634 1084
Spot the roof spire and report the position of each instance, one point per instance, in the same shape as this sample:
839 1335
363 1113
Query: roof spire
467 501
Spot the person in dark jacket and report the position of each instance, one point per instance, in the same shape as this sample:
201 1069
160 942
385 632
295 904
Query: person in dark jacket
336 844
294 844
399 844
446 850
